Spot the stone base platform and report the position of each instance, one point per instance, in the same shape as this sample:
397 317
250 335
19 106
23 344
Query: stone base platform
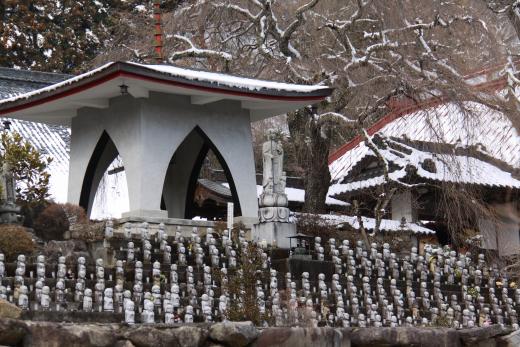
241 334
171 224
274 233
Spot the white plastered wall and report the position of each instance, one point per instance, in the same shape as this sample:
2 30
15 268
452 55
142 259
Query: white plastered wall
148 131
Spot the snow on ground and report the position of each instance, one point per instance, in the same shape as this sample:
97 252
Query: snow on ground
369 223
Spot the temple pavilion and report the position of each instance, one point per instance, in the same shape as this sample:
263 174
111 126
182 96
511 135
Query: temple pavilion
161 121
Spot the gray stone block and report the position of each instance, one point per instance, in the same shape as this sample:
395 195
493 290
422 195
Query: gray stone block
274 233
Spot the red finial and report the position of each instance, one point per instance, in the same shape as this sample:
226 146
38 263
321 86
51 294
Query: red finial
158 37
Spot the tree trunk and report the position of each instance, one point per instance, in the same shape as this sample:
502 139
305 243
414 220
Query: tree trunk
310 139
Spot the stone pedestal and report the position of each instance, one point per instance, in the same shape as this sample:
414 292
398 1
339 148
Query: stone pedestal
274 214
274 233
145 214
10 214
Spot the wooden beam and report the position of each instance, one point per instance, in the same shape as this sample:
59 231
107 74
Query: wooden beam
116 170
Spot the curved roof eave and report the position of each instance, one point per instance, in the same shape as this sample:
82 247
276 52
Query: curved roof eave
198 81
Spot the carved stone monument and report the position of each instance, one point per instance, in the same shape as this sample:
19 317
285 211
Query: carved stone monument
9 211
274 226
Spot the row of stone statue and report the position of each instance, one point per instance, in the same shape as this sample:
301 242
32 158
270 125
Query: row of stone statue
178 279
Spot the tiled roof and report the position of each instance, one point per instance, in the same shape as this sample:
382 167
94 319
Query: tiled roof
216 187
438 167
14 82
466 125
48 139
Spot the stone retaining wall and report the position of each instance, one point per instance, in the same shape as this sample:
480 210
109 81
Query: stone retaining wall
31 333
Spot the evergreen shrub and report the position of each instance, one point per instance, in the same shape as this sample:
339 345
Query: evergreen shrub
15 240
56 219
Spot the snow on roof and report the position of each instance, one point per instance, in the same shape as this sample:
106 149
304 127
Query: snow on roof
231 80
217 79
341 188
55 86
369 223
473 125
216 187
22 77
447 168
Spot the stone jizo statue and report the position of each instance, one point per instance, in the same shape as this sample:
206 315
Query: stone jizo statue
273 201
9 211
8 195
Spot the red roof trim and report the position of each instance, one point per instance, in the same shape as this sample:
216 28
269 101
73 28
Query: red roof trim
407 109
221 90
61 95
119 72
490 68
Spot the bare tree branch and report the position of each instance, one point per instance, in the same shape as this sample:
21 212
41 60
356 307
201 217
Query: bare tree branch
194 52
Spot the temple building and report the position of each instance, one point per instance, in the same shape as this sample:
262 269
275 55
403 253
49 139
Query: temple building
431 146
160 121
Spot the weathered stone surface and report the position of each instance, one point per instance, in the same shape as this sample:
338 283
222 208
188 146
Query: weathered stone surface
29 333
492 342
236 334
406 336
148 336
303 337
511 340
54 249
8 310
470 336
124 343
191 336
11 331
73 317
81 335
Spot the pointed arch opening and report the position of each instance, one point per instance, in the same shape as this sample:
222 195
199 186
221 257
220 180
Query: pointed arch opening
185 178
104 191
